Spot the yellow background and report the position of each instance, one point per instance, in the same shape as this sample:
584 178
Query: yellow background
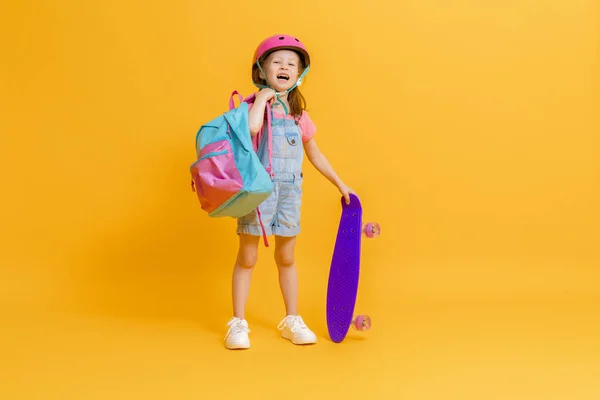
470 130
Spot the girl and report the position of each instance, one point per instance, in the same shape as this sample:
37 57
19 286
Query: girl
280 62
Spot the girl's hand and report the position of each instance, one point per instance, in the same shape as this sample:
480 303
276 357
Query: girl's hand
266 94
345 191
256 114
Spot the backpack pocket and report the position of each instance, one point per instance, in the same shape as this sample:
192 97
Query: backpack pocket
215 175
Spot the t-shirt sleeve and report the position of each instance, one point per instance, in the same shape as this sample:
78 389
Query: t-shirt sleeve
307 127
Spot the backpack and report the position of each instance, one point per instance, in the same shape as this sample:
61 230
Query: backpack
228 177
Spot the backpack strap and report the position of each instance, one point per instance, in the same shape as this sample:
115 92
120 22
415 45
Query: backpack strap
262 227
231 102
268 111
265 129
269 168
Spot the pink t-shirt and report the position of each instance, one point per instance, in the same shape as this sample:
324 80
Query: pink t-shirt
306 125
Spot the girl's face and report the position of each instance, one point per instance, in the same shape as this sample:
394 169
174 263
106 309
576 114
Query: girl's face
282 68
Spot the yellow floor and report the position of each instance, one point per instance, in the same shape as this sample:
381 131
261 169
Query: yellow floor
429 349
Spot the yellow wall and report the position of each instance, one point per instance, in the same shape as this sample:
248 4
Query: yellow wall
470 130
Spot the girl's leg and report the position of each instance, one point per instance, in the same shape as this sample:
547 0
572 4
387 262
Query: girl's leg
292 326
242 272
288 275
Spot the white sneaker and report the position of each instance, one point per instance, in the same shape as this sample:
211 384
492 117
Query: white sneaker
293 328
237 336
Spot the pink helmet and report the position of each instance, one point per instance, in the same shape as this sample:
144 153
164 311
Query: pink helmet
280 42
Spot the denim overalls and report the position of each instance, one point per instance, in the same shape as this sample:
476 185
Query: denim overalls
280 212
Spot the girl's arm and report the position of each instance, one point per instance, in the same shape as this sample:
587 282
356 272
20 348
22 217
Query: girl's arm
320 162
257 112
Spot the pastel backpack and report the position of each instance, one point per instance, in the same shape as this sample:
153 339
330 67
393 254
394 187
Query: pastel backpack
228 176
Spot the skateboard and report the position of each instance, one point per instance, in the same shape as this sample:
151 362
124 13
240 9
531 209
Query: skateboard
342 288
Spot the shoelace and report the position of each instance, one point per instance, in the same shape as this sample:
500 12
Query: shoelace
295 322
235 326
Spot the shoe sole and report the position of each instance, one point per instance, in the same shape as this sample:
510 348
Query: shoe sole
301 342
237 346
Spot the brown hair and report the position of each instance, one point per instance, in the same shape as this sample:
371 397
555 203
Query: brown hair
295 98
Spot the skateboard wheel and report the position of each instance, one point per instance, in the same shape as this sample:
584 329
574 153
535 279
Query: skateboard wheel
371 230
361 323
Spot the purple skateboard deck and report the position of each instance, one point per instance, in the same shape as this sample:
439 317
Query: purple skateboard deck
344 272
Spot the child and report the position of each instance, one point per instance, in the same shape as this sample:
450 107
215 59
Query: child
280 62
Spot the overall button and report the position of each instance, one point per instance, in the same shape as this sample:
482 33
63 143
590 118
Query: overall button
293 138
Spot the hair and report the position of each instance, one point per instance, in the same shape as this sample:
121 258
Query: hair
295 98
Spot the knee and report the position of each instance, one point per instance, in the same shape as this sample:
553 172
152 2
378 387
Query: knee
284 259
247 259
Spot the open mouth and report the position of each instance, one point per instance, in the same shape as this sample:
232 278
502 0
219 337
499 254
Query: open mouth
283 77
